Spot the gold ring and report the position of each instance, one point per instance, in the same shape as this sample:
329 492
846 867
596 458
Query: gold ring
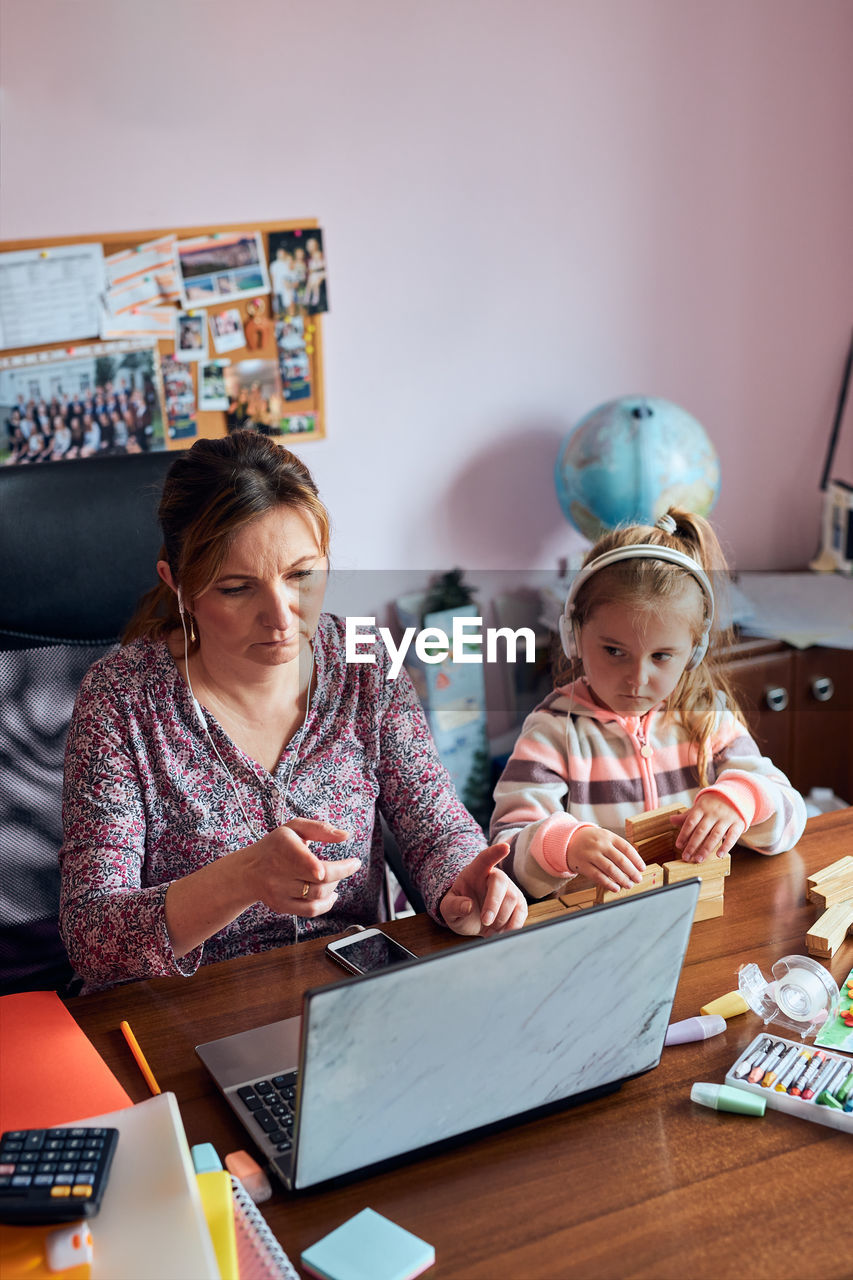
306 888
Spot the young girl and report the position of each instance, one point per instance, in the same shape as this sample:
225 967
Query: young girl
640 716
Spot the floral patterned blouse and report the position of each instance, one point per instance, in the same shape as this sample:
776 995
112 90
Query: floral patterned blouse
146 802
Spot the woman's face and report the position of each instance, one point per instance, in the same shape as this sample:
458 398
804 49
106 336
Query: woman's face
266 601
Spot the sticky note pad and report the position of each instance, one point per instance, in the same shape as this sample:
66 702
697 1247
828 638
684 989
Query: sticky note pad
368 1247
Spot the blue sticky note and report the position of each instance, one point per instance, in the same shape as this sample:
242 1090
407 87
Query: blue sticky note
368 1247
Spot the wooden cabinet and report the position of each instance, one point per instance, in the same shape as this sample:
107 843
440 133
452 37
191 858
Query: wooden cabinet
799 707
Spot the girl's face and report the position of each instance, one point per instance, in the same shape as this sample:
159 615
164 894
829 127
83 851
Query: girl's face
634 657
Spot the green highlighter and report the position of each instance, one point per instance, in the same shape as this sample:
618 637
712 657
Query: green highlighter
724 1097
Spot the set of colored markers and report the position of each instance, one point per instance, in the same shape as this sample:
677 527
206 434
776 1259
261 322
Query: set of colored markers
799 1078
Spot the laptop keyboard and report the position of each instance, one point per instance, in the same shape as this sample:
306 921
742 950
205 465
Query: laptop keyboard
270 1103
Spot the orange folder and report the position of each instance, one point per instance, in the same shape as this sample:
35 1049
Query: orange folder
51 1073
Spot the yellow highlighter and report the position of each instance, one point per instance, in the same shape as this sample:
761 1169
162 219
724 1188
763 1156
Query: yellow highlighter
217 1199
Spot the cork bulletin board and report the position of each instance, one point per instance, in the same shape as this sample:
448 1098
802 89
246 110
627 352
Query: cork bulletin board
132 341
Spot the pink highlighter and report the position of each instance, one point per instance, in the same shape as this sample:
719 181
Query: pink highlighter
699 1028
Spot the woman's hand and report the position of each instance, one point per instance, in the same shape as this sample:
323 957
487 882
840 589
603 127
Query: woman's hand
604 858
288 877
708 829
482 899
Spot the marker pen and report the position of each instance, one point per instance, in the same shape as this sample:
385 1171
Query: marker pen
768 1064
694 1029
784 1079
805 1081
761 1051
790 1054
727 1097
828 1070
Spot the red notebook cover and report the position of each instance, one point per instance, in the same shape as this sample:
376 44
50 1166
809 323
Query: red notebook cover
50 1072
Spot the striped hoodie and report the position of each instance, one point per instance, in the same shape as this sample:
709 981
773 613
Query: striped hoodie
579 764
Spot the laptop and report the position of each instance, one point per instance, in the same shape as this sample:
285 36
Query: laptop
398 1063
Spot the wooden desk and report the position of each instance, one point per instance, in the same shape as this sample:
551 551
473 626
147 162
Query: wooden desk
640 1184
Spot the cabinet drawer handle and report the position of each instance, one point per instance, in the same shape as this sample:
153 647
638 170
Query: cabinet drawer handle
776 697
822 688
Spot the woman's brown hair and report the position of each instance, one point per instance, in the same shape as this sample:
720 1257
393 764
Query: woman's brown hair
647 583
209 494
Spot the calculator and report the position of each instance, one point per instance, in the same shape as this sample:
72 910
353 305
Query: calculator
54 1175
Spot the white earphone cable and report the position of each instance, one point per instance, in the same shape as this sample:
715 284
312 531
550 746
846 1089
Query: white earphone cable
203 721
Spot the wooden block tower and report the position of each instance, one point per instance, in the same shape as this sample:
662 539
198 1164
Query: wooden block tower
831 889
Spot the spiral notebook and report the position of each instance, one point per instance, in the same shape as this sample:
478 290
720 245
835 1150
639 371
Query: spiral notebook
259 1254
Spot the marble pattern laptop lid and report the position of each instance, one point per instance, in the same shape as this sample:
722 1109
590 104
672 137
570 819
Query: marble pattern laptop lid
486 1032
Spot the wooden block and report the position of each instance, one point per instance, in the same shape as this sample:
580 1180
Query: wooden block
710 869
651 823
708 908
712 887
652 877
835 868
827 933
580 897
835 889
544 910
654 846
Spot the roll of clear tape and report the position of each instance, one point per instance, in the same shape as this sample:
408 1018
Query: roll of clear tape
800 995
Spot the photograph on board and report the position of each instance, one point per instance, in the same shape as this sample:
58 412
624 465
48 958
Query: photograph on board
296 424
228 265
259 330
180 399
191 335
290 335
212 394
254 395
103 399
226 328
298 271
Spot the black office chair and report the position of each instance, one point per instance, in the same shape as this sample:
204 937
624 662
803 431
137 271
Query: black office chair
78 544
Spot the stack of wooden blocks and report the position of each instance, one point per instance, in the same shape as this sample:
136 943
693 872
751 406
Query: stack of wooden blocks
653 836
832 890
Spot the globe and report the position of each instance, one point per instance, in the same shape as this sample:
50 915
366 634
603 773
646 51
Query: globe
629 460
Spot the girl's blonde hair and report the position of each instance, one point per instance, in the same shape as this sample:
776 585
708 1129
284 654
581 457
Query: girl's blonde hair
209 494
646 583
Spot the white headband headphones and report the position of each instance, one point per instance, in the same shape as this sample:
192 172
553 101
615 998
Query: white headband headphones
641 551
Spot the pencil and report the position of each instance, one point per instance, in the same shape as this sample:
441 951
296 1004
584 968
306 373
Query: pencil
140 1057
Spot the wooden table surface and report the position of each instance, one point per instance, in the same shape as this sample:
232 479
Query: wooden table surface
640 1184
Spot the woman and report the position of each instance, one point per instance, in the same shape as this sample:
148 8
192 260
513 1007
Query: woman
224 768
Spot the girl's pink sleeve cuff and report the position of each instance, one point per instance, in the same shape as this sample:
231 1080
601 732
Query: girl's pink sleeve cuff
550 844
746 798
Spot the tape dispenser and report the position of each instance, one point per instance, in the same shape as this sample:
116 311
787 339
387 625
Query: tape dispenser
801 995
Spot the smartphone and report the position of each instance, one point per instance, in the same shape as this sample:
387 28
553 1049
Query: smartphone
367 951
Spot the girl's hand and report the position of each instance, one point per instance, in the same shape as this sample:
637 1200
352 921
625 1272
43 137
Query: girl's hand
710 828
604 858
482 899
281 866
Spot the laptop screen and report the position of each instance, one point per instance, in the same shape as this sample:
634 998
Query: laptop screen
481 1033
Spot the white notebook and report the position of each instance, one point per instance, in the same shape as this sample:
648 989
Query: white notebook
151 1221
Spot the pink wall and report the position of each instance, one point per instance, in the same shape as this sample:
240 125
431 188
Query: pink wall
530 206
